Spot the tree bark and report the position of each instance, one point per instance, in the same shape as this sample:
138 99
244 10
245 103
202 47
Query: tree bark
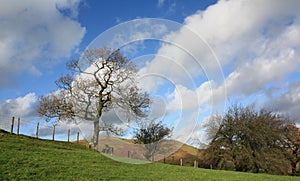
96 133
294 171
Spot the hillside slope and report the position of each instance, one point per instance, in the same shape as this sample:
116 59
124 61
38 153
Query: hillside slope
25 158
170 151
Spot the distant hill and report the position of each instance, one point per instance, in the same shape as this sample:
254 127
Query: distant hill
170 151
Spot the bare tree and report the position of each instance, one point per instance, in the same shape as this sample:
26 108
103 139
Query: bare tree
101 80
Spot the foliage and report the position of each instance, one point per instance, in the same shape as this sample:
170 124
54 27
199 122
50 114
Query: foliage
102 79
251 141
24 158
151 135
293 144
212 126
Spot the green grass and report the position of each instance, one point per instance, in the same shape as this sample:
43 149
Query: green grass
24 158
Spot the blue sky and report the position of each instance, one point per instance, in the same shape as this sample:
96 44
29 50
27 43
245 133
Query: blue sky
195 57
94 17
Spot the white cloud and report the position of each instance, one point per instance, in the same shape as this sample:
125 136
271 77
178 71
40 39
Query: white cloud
34 33
19 107
71 6
183 57
288 102
26 108
229 21
257 44
253 77
129 36
187 99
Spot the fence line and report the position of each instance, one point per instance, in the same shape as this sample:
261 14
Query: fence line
107 150
38 129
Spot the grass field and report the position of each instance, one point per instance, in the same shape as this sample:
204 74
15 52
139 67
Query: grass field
24 158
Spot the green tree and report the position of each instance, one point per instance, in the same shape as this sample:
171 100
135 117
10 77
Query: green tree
151 136
101 80
293 144
249 140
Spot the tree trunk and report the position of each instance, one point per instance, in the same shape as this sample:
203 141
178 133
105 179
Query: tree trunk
294 161
294 171
96 133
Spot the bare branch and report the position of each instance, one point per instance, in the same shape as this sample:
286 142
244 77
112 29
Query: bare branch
104 79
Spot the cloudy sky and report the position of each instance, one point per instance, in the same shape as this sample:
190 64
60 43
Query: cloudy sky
194 57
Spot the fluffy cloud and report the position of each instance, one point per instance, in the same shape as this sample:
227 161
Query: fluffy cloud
256 44
26 108
255 76
34 33
186 99
288 102
129 36
23 107
233 27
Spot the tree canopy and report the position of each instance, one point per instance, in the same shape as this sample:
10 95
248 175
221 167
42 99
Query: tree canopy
150 135
101 80
254 141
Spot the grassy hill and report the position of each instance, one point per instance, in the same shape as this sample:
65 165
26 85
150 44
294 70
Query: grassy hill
25 158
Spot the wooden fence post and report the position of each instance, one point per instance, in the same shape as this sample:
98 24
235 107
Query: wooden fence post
68 135
129 154
195 164
37 130
18 128
77 137
53 132
181 164
12 125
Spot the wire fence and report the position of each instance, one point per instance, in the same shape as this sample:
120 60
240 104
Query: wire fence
38 128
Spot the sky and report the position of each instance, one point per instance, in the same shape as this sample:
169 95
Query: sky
194 57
